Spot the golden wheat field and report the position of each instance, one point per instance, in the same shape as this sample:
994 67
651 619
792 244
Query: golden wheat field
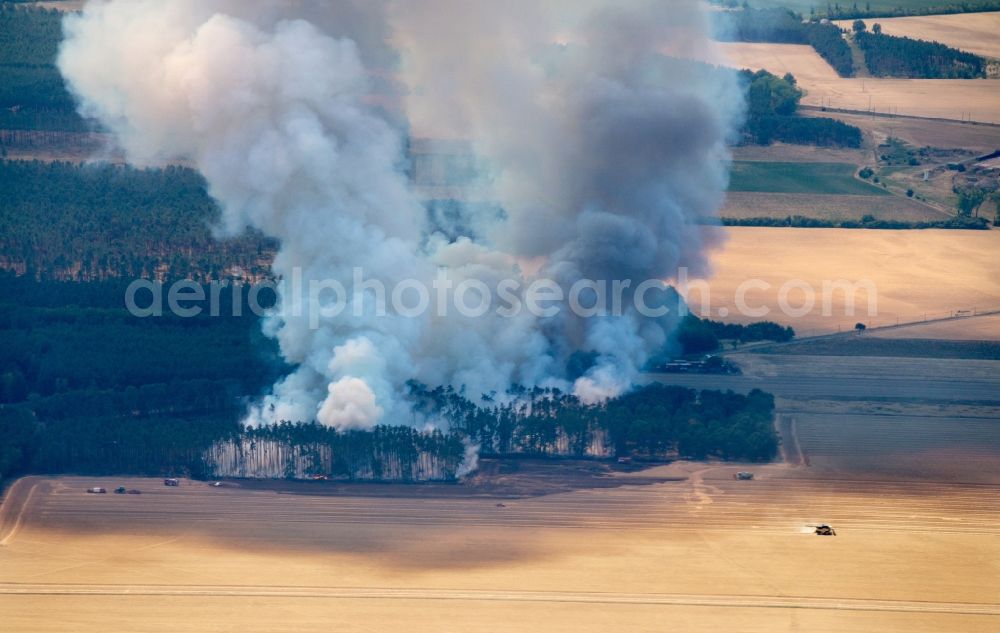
916 274
972 32
975 99
704 551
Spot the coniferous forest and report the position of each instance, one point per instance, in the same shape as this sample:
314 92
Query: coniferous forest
87 388
891 56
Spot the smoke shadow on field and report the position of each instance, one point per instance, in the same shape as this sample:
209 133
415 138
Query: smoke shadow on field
392 527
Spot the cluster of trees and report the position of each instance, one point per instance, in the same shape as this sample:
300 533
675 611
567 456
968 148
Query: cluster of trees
891 56
32 91
771 105
867 222
655 421
782 26
88 222
699 336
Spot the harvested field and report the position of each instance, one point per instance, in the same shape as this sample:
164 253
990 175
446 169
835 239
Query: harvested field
946 448
972 32
854 345
806 378
975 99
745 204
916 274
801 60
708 551
921 132
978 328
784 152
816 178
927 419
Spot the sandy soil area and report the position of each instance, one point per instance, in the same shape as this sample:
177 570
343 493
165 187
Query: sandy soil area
916 274
975 99
972 32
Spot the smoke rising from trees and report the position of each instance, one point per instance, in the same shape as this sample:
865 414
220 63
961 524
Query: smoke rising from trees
605 148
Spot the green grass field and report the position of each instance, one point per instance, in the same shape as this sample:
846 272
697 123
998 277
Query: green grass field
817 178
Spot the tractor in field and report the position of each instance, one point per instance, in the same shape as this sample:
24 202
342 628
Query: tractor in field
120 490
743 476
170 481
824 530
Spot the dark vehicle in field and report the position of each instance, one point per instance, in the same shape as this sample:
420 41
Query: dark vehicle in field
170 481
120 490
825 530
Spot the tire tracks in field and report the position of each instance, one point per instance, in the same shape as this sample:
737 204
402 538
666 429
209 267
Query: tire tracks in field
507 595
15 507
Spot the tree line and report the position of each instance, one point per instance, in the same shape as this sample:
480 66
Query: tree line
959 222
835 11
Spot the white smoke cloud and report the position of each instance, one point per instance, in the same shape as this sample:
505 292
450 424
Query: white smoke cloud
609 147
606 155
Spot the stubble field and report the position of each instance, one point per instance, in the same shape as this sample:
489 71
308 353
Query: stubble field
975 99
707 552
917 274
972 32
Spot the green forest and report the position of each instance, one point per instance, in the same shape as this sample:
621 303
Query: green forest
32 92
891 56
92 222
655 421
87 388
